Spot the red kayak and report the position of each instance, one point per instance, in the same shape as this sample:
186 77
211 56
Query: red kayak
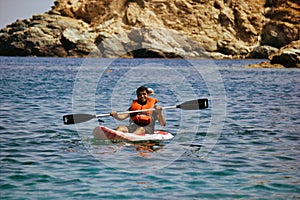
102 132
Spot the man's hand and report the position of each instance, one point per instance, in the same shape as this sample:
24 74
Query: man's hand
117 116
113 114
158 109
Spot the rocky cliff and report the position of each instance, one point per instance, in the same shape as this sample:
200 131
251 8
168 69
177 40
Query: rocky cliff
156 28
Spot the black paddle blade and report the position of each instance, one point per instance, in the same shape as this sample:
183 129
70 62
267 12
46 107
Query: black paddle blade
77 118
194 104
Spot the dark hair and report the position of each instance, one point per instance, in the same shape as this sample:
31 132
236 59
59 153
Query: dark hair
142 88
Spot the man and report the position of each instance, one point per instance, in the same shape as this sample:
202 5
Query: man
141 122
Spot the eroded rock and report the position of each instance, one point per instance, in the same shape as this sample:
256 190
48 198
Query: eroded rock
288 56
162 28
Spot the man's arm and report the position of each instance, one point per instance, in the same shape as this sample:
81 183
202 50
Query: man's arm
160 116
117 116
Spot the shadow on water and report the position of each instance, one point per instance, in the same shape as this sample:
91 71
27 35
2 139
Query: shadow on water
142 148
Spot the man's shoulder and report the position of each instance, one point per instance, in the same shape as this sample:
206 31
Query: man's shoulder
155 100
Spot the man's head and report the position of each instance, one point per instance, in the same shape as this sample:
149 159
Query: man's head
142 94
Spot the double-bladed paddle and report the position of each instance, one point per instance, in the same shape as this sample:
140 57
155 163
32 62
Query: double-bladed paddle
188 105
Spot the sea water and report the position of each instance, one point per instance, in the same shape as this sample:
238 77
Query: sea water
244 145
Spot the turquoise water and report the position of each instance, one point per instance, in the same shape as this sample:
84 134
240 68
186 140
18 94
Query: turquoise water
245 145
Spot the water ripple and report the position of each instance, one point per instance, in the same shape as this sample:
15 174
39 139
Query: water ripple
256 157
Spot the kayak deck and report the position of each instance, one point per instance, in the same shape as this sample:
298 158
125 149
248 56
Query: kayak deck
102 132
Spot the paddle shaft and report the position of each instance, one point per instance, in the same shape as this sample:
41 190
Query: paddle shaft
188 105
135 111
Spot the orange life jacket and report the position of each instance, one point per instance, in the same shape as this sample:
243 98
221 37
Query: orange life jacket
142 118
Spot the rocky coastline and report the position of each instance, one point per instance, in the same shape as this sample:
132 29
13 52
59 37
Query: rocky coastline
220 29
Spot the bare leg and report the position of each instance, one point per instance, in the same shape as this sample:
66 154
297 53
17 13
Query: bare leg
123 129
140 131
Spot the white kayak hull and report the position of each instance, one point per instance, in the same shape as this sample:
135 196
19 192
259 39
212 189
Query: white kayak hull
102 132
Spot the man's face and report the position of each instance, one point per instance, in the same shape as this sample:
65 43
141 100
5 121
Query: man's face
142 96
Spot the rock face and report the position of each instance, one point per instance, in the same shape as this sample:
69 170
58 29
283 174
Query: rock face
47 35
155 28
288 56
282 27
282 23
